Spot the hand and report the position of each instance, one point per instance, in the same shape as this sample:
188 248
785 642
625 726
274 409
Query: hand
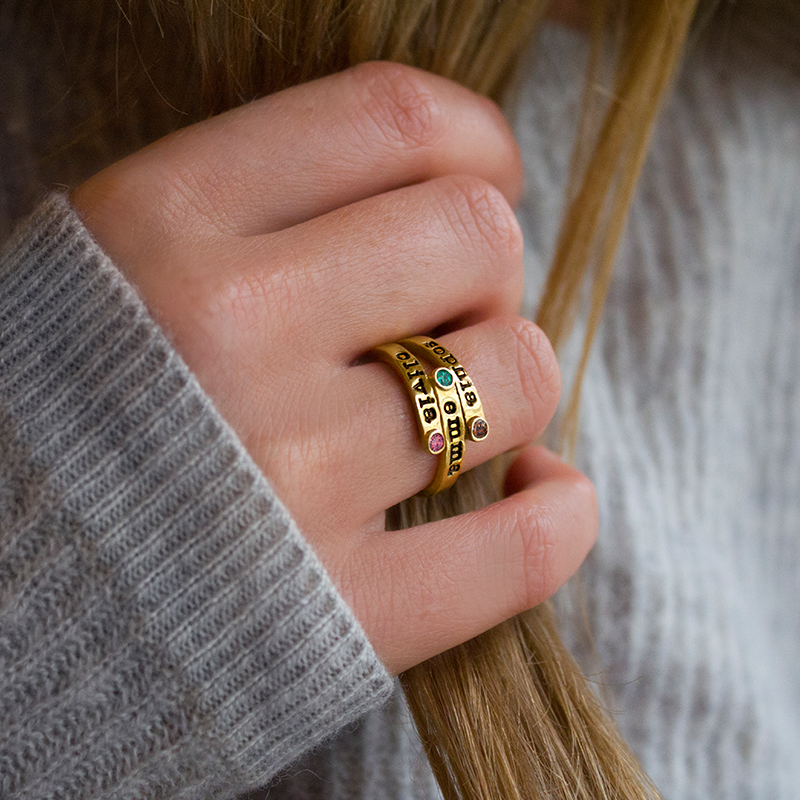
278 243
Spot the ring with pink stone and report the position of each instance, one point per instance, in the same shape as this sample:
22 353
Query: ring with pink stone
420 389
477 428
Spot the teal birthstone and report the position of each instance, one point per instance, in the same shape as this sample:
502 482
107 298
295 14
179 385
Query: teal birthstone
444 378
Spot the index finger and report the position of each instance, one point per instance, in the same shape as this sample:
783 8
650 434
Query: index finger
320 146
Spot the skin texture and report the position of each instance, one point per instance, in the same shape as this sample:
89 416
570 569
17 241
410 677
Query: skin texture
278 243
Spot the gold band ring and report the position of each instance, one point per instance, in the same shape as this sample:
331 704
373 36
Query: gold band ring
447 406
419 388
443 382
477 428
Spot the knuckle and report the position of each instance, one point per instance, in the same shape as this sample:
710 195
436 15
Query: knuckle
480 215
243 296
376 589
539 372
165 199
108 197
197 195
133 219
177 200
398 102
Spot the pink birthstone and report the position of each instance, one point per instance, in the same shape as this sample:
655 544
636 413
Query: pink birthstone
436 443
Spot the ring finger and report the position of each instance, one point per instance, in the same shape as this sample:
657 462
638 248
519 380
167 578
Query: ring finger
369 431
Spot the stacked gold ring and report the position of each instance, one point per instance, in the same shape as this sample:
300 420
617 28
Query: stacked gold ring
424 347
447 406
419 388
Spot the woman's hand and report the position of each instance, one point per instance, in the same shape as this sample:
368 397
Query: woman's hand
277 244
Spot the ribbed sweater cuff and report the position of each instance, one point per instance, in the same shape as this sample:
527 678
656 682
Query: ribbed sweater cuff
162 621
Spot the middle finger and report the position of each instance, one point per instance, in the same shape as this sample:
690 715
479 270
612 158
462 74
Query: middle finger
446 251
369 432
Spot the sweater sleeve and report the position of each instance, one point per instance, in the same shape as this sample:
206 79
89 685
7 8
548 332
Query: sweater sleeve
165 631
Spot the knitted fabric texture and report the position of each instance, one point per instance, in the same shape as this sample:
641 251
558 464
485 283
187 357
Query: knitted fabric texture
164 628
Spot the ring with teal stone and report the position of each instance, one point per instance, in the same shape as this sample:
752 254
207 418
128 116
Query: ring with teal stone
454 430
477 428
444 377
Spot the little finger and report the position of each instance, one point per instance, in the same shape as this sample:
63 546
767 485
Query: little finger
421 591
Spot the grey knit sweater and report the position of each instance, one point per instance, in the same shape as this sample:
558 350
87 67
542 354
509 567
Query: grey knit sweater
166 632
164 628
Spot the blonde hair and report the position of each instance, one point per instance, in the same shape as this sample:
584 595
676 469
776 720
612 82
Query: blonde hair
507 715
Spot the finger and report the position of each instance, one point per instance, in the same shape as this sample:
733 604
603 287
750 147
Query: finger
514 369
531 464
446 251
424 590
365 453
307 150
